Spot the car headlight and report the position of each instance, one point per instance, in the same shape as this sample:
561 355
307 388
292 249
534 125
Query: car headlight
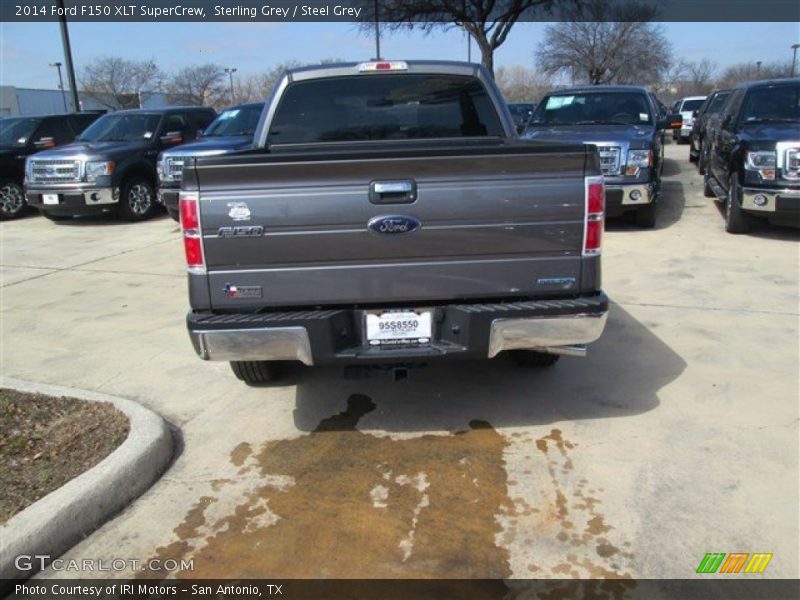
160 171
762 161
98 169
638 159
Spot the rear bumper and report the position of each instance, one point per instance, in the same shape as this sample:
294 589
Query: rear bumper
337 336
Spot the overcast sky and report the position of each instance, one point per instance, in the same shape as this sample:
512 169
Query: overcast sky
27 48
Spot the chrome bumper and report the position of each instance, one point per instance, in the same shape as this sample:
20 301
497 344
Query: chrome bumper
767 198
91 195
645 193
268 343
556 335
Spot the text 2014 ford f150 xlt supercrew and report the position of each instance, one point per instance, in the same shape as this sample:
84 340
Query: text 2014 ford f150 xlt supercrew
388 214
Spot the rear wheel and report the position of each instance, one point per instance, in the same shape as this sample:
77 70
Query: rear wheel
707 191
736 220
646 216
254 372
701 160
532 358
12 200
138 200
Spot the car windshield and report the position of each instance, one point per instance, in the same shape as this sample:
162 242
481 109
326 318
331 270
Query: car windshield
122 128
594 108
692 105
779 103
241 120
17 132
717 103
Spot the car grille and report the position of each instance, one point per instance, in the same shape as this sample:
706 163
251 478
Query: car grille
55 171
609 159
174 168
792 162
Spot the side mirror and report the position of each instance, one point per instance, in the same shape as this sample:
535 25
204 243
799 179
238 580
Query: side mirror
694 114
726 122
44 143
674 121
172 137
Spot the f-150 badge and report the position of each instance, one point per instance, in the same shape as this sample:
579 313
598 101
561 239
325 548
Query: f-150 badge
239 211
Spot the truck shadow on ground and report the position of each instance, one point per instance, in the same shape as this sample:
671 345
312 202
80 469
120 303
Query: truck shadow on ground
620 376
669 210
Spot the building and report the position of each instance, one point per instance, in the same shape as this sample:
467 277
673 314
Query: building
16 101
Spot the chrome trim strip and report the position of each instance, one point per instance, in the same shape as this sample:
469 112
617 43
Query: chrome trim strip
263 343
543 333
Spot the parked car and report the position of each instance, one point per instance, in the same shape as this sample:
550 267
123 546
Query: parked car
686 107
754 155
22 136
111 166
232 130
626 124
521 113
704 117
389 214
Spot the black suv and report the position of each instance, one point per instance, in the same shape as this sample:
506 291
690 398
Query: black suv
705 120
232 130
754 155
22 136
626 124
112 165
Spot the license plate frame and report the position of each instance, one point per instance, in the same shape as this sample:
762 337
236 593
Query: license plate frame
418 331
50 199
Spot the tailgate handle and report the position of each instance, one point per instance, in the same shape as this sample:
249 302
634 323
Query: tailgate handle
393 192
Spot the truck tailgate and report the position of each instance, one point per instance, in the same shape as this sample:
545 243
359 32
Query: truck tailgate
494 222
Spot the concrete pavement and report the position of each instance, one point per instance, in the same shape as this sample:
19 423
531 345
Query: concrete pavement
676 436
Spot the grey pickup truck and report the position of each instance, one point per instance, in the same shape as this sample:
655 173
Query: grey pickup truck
388 214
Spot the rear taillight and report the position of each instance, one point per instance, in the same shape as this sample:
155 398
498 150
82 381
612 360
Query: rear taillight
595 213
190 224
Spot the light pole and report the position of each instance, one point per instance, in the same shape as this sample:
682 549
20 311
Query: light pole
758 67
57 65
73 86
794 56
230 71
377 33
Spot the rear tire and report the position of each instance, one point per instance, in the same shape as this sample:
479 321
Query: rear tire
646 216
736 220
138 199
707 191
255 372
532 358
12 200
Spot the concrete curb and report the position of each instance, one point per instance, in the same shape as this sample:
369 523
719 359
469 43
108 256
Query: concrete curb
55 523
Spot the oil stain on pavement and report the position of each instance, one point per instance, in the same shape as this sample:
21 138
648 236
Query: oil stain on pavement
342 503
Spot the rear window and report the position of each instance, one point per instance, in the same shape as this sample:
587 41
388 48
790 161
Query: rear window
692 105
384 107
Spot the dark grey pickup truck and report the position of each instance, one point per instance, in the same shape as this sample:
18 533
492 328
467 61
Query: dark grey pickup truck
388 214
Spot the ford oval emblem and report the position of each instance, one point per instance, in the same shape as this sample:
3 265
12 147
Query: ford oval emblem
391 224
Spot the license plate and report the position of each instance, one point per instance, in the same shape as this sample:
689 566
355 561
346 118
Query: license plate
50 198
406 326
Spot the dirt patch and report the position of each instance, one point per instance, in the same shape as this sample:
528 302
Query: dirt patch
343 503
46 441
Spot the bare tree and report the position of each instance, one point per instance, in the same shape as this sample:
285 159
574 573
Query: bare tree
701 76
258 86
742 72
487 21
119 83
520 84
686 78
600 42
198 85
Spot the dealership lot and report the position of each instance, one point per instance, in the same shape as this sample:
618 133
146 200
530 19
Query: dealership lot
676 436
